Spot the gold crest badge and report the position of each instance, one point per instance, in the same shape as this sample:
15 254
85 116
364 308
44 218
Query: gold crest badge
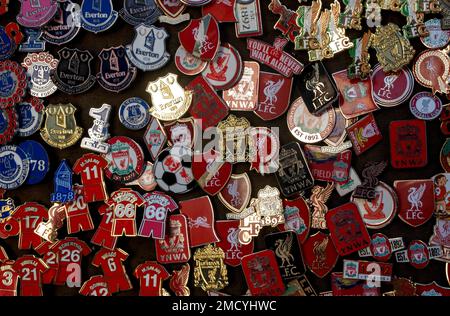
234 138
210 272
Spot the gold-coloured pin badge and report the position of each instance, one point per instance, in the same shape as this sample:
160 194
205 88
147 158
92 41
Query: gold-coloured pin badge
210 272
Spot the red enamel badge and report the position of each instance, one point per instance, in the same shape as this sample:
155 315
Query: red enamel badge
416 201
181 132
210 172
364 134
221 10
90 168
296 218
201 37
319 254
228 234
264 149
174 248
262 274
236 194
200 215
432 289
347 229
408 143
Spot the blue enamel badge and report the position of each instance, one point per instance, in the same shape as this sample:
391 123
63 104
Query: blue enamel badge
134 113
135 12
62 181
39 161
97 15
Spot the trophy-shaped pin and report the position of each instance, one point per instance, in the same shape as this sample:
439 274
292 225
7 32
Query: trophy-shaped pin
351 17
98 133
306 20
415 26
360 68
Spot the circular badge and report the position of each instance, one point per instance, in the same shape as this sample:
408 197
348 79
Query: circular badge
8 124
39 66
30 115
380 247
425 106
225 70
125 159
134 113
187 63
13 83
431 69
39 161
418 254
309 128
196 3
445 155
14 167
391 89
173 170
437 37
380 211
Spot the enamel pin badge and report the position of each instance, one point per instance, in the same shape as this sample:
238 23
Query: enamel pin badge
98 133
39 67
173 10
65 25
35 14
148 50
141 11
33 42
116 72
97 15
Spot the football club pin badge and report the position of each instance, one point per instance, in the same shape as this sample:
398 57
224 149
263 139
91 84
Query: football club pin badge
156 207
286 23
347 229
243 96
339 133
10 37
364 134
360 67
170 101
425 106
228 232
39 161
437 37
296 218
187 63
147 180
49 230
274 95
371 171
274 56
318 90
63 187
182 132
431 69
432 289
225 69
65 25
35 14
441 237
98 133
210 172
326 166
125 159
154 137
319 254
179 280
206 106
237 192
173 170
344 188
142 11
418 254
287 252
97 15
249 20
14 83
319 196
8 124
222 11
148 50
73 73
172 11
441 194
33 42
264 149
174 248
201 37
391 89
210 271
39 67
380 211
408 140
233 142
293 175
60 128
14 167
134 113
262 274
416 201
116 72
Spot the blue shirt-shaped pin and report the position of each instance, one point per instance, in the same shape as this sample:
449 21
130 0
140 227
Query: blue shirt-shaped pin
63 184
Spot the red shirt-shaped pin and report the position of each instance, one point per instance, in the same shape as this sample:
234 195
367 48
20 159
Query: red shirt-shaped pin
29 215
103 235
50 257
124 203
111 263
151 275
90 168
9 279
77 212
70 253
30 271
95 286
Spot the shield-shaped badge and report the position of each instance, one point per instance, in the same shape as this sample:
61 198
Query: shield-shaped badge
116 72
210 272
416 201
287 252
173 10
35 14
61 130
364 134
148 50
39 67
201 37
73 73
319 254
243 96
274 95
262 274
33 42
236 194
65 24
141 11
264 149
210 172
296 218
228 232
432 289
182 132
174 248
170 101
233 133
347 229
97 15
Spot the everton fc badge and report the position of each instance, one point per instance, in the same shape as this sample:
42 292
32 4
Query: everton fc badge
35 14
137 12
97 15
116 72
